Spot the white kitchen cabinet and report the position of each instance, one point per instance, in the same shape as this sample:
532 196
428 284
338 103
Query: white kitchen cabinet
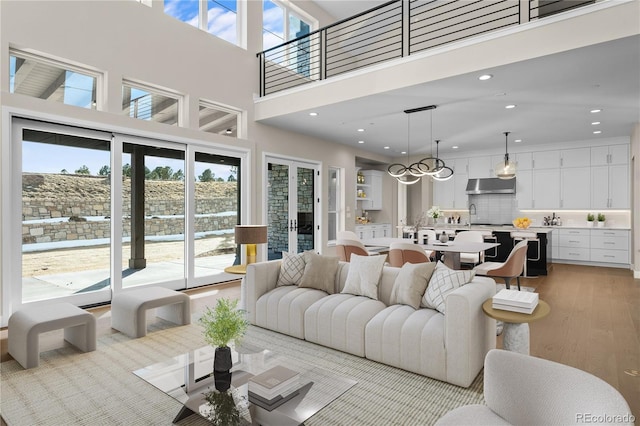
444 193
576 188
610 187
619 186
524 189
609 155
524 160
373 230
480 167
592 245
373 185
610 245
546 188
573 244
579 157
546 160
460 190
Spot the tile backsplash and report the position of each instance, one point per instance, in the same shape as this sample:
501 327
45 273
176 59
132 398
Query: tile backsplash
495 209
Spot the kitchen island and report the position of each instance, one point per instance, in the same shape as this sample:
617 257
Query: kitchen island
539 252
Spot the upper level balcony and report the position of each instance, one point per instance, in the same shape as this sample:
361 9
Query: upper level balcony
397 29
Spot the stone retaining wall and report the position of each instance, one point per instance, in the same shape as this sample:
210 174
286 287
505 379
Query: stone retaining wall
47 232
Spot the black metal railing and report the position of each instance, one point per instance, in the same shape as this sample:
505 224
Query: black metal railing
365 39
390 31
434 23
543 8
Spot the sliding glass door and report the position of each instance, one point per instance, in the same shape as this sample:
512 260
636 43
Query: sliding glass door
62 199
153 213
292 202
90 213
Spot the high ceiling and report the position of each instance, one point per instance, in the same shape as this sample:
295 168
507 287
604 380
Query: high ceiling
553 96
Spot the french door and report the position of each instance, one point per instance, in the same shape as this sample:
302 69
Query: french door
292 206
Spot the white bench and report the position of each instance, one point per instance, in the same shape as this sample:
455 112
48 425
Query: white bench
26 324
129 309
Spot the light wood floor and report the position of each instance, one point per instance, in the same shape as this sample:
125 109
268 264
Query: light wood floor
594 324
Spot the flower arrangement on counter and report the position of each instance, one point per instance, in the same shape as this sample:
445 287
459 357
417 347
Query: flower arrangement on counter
434 212
522 222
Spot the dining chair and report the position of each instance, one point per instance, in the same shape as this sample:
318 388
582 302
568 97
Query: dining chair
510 268
472 237
347 235
345 248
401 253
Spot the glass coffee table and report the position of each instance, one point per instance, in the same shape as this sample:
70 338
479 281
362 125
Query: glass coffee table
189 379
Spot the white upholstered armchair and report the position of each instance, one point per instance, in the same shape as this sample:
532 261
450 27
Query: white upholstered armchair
524 390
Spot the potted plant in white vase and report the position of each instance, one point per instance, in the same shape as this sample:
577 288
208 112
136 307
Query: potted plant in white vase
434 213
223 324
590 219
601 220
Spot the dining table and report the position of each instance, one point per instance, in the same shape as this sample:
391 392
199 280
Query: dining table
454 248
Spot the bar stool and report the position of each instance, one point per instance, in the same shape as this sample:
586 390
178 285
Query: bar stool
529 237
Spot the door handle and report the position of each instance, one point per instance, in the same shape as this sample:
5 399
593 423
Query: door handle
291 225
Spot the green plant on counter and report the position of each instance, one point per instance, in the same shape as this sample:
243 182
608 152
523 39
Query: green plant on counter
590 217
601 217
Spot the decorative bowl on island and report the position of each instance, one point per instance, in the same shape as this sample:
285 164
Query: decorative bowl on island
522 222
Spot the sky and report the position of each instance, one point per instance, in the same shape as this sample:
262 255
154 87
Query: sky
45 158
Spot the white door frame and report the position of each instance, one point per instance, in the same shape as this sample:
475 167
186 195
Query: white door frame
293 164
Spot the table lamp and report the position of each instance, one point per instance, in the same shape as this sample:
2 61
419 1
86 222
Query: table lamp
250 236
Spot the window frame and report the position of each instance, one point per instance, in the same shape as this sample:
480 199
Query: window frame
65 65
287 10
156 90
339 202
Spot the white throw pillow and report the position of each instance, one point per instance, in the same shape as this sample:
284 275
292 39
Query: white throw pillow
291 269
411 283
364 275
442 282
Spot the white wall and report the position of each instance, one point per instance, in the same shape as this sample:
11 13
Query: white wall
635 200
125 39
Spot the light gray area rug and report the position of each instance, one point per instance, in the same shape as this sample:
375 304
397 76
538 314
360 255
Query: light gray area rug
98 388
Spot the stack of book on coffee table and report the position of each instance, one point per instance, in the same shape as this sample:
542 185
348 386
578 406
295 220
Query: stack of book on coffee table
516 301
274 387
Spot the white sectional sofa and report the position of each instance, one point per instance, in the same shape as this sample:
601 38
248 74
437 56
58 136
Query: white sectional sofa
449 347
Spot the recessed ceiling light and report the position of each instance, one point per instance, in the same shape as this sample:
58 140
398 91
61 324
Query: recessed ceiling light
361 130
485 77
360 141
593 111
518 140
597 132
454 147
313 114
510 106
595 123
386 147
229 131
403 152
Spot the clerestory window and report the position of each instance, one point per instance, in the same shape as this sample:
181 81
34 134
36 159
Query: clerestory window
217 17
52 80
281 23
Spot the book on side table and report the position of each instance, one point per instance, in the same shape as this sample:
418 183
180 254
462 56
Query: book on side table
516 301
274 387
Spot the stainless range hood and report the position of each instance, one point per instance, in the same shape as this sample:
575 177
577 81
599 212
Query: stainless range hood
491 186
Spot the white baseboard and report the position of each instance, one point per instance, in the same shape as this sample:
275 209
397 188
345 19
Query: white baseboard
636 274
